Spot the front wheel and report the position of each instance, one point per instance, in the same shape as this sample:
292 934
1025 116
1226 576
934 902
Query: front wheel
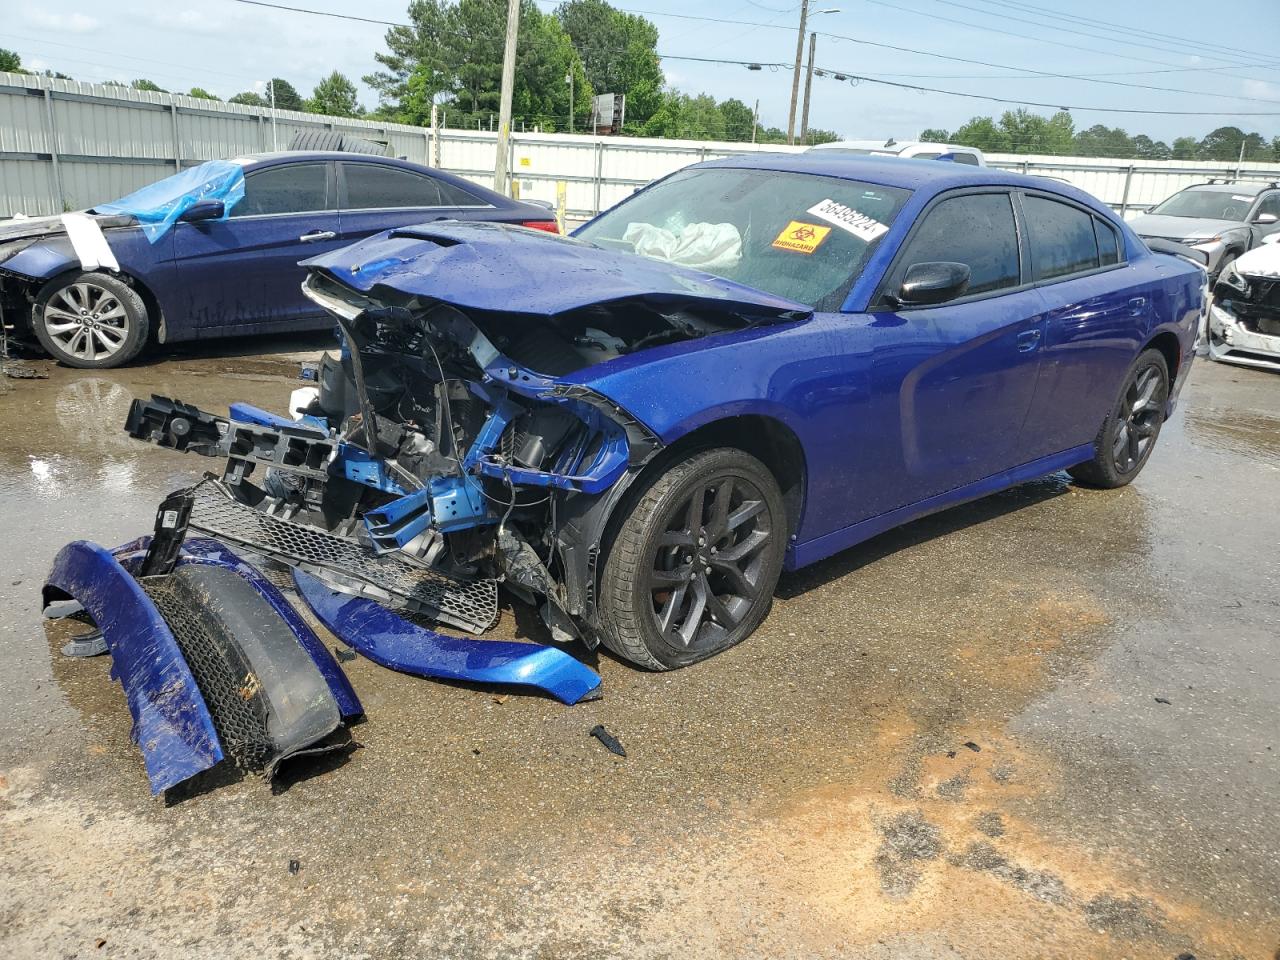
1128 435
695 561
90 320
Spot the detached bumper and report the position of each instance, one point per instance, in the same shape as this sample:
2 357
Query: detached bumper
1232 342
213 662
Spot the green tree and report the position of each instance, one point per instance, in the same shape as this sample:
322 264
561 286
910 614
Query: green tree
935 135
10 62
249 99
335 96
983 133
1186 148
738 119
682 117
201 93
417 63
286 96
1144 148
1275 148
1103 141
1031 133
618 51
149 85
818 135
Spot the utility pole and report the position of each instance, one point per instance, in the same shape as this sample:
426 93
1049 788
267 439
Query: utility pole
508 85
569 76
795 76
808 86
274 144
755 120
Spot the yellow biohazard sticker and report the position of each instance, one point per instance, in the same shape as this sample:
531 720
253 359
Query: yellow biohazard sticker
801 237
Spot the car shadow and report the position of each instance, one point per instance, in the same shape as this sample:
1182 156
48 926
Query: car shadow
951 520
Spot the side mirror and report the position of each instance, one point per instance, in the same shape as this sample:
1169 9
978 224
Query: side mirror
203 210
1265 219
927 283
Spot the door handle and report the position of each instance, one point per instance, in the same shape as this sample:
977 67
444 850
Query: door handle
315 235
1028 340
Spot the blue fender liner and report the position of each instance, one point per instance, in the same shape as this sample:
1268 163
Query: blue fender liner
171 724
394 642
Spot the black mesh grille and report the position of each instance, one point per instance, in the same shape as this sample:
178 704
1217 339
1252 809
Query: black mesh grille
471 605
228 688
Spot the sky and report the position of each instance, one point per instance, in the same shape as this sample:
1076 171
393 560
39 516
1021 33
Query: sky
1215 63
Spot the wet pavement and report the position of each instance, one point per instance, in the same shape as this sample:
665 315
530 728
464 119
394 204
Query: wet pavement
1042 725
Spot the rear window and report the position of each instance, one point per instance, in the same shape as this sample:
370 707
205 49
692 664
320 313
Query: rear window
1062 238
372 186
795 235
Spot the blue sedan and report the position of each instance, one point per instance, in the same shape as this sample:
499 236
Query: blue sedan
744 368
213 251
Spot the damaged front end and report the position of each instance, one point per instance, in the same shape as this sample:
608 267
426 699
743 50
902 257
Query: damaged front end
1244 318
450 449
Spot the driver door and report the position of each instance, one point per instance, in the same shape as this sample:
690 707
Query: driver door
241 274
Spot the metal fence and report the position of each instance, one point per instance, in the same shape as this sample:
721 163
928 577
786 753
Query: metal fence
66 145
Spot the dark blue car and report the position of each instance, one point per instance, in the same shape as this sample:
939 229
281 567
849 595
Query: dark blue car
213 251
808 351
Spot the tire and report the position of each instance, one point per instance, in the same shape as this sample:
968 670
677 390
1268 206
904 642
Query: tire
661 544
92 321
1129 433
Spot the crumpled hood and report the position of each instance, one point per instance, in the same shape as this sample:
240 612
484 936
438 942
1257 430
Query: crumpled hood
495 267
1181 228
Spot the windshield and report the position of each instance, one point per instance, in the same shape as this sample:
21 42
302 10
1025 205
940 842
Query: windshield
793 235
1206 205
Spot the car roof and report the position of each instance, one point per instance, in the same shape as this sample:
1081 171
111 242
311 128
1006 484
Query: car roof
1251 187
930 176
895 146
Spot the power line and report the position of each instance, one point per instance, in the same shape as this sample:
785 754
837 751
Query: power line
1198 45
1091 34
1025 36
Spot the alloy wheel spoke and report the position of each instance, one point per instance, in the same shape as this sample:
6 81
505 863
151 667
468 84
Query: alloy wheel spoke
747 510
676 538
719 611
697 503
751 544
697 609
669 609
738 581
718 525
61 330
666 579
1121 441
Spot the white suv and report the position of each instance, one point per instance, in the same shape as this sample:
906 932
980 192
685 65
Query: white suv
916 149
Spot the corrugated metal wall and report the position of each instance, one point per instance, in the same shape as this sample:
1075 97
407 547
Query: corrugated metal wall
66 145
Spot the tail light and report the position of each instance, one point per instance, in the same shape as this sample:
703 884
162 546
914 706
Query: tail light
549 226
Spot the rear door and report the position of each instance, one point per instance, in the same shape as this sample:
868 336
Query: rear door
242 273
379 196
1096 310
957 378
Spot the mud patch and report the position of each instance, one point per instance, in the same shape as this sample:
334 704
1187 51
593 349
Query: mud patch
983 857
908 838
1132 918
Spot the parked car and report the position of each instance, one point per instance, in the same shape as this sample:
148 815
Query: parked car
1244 319
1223 220
227 266
912 149
636 447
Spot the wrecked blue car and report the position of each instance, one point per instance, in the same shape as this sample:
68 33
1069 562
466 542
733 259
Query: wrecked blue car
807 351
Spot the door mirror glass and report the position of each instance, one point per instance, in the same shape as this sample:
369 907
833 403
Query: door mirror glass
203 210
937 282
1265 219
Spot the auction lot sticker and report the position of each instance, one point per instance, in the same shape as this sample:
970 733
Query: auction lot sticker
846 218
801 237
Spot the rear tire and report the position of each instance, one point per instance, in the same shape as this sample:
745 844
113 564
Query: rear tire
90 320
1129 433
695 562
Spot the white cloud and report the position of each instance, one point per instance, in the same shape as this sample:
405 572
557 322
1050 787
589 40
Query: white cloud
62 23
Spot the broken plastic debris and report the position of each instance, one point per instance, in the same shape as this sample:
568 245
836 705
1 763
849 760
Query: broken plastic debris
972 746
610 742
344 654
295 866
1167 703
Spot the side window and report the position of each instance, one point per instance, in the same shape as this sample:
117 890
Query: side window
372 186
977 230
290 188
1270 204
452 196
1062 240
1108 242
968 158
